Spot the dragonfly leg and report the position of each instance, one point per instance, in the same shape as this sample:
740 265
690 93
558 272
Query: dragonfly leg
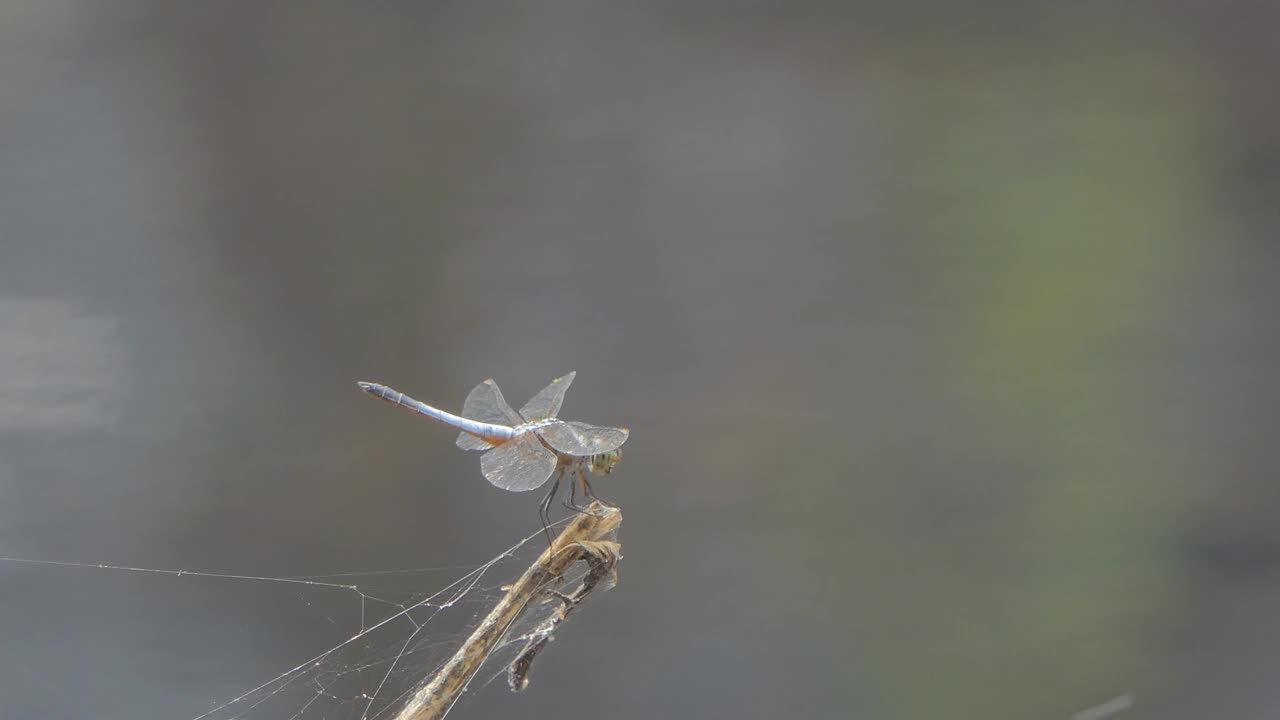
572 501
586 490
544 508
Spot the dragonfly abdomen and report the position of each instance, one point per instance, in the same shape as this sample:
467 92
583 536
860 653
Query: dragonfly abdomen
490 433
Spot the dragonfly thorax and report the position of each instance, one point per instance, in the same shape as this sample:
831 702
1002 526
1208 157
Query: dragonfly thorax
537 425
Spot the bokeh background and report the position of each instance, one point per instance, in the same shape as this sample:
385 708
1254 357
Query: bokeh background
946 334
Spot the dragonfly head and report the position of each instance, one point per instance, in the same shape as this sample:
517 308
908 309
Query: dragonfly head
602 463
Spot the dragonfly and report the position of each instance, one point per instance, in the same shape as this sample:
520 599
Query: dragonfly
523 449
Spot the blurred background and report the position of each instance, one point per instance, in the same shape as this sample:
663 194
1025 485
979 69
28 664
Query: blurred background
946 336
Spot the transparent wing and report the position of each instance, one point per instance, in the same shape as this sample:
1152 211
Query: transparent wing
486 404
581 439
547 402
519 465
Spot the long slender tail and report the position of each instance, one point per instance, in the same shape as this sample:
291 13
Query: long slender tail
494 434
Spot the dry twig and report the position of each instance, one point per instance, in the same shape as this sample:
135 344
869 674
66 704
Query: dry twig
603 556
585 538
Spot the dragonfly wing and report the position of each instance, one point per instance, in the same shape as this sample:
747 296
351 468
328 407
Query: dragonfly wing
581 439
486 404
547 402
520 465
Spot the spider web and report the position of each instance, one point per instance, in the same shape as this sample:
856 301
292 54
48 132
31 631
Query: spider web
399 636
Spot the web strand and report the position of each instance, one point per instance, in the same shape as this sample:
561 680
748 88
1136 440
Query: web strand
402 637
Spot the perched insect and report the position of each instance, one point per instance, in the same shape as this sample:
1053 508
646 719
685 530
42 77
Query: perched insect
524 448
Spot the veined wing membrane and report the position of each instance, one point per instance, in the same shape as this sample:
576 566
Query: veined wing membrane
581 439
548 400
486 404
519 465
